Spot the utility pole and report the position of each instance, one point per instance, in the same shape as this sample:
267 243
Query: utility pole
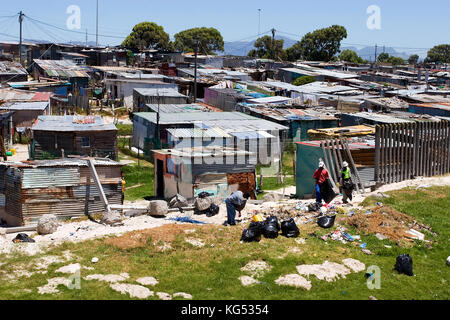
21 15
376 47
273 44
259 23
157 124
195 71
97 28
86 37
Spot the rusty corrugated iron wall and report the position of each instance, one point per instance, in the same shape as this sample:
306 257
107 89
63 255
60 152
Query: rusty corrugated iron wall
31 190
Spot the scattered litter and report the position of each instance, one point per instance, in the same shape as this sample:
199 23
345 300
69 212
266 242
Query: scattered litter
71 268
111 278
164 296
329 271
386 246
448 260
186 220
190 231
182 294
367 251
301 241
294 280
94 260
196 242
363 246
23 237
354 265
135 291
372 298
423 186
147 281
380 204
414 234
289 229
326 222
247 281
404 264
380 236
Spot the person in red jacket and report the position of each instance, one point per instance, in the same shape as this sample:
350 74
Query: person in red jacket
321 176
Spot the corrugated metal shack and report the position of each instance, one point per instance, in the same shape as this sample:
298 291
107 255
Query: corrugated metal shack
299 121
249 132
217 170
62 69
26 113
29 190
12 72
143 96
73 135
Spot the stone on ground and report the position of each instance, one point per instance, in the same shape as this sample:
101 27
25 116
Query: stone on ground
111 218
247 281
133 290
111 278
47 224
354 265
147 281
159 208
164 296
272 197
182 294
202 204
256 268
294 280
52 285
71 268
329 271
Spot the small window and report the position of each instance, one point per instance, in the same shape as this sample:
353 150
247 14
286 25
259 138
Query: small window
86 142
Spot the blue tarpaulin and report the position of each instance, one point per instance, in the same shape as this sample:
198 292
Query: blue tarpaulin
186 220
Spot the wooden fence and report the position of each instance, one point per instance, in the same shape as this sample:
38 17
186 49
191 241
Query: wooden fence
408 150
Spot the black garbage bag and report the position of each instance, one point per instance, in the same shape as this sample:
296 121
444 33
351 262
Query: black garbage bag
404 264
327 191
314 207
274 220
204 195
289 229
326 222
212 211
253 233
271 228
22 237
348 186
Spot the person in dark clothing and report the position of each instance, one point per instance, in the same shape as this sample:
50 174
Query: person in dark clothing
346 183
321 176
236 201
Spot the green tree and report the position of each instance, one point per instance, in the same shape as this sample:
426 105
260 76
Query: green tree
440 53
303 80
383 57
147 35
350 56
209 39
266 48
396 60
413 59
130 57
320 45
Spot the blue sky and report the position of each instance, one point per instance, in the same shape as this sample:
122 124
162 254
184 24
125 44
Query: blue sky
404 24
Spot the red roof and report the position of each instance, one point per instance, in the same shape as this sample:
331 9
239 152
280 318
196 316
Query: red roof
42 96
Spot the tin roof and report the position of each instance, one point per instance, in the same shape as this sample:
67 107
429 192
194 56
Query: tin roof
62 68
72 123
198 133
177 108
11 95
11 68
25 106
163 92
68 162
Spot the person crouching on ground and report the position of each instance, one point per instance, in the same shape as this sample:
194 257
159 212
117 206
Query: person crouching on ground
346 183
236 201
321 176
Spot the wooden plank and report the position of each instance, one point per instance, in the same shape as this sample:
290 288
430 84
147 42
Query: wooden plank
329 162
415 150
405 151
377 153
352 163
389 154
433 149
339 152
383 154
447 146
98 184
425 149
422 147
336 159
21 229
401 162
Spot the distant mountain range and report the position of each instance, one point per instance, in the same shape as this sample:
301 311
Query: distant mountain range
241 48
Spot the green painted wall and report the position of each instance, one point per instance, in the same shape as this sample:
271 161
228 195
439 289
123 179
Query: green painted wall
307 163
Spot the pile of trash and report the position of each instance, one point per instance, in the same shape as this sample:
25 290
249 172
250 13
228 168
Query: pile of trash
388 223
206 204
269 228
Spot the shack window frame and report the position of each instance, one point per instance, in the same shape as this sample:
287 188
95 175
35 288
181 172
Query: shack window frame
83 142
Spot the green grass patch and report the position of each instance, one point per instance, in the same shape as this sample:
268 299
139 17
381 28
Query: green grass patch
212 272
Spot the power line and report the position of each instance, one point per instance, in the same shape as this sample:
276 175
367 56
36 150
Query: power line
74 31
